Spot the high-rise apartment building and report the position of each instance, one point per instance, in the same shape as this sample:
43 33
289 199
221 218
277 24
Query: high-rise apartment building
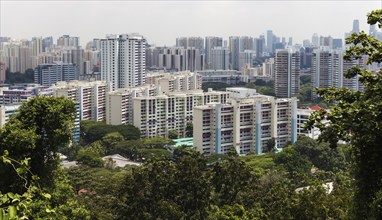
322 68
191 42
68 41
287 72
246 122
210 44
123 60
234 48
219 58
90 96
3 69
157 115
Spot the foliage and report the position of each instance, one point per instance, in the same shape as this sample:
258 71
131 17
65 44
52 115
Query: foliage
89 158
321 154
92 131
217 86
189 129
98 190
42 125
173 134
27 77
293 162
356 117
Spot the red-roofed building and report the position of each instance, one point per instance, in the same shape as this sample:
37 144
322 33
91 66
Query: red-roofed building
315 108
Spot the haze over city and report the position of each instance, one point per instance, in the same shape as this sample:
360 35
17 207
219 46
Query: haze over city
161 22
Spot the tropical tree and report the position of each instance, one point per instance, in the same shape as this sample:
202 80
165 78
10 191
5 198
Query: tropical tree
356 118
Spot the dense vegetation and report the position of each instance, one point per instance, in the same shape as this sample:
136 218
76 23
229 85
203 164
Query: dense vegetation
27 77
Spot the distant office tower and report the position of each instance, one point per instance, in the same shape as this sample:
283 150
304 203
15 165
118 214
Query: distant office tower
48 74
47 42
3 69
326 41
372 30
123 60
270 41
234 48
355 26
67 41
337 43
246 122
315 40
259 46
287 72
219 58
290 41
211 43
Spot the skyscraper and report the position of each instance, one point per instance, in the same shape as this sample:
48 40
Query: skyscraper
220 58
211 43
270 41
355 26
123 60
322 68
234 48
287 72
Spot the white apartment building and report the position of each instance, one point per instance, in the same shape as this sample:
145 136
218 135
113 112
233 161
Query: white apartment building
6 111
90 96
246 122
178 81
157 115
119 103
302 118
123 60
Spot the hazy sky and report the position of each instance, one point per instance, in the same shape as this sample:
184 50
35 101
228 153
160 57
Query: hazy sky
160 22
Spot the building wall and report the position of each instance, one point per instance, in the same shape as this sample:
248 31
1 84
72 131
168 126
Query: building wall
245 124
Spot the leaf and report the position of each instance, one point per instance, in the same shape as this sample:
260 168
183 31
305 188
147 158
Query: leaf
11 195
12 212
6 160
47 195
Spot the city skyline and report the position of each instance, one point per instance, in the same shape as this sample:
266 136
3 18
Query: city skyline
161 22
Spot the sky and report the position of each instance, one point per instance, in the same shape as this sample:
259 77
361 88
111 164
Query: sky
161 22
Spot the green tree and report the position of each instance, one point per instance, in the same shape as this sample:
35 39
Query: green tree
89 158
173 134
321 154
41 127
189 129
230 179
271 146
356 117
293 162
